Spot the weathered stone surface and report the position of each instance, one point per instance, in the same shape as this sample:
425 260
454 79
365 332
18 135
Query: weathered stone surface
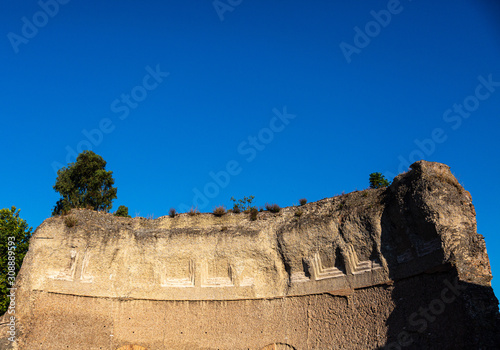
401 267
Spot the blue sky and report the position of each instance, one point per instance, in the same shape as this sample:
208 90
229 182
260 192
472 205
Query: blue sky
296 99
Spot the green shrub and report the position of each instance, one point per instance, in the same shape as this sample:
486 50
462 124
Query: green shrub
298 213
236 209
302 201
122 211
14 242
377 180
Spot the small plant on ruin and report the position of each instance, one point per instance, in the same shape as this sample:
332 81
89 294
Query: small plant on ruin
219 211
70 221
302 201
298 213
273 208
253 214
172 212
193 211
236 209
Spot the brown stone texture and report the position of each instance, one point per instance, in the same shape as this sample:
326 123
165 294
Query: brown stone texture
396 268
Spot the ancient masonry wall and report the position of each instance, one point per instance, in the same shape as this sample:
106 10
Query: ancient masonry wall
401 267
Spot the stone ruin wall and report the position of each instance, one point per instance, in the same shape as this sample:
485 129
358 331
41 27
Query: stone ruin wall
352 272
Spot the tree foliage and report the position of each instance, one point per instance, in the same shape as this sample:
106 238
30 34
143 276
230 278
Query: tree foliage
378 180
243 204
85 184
14 241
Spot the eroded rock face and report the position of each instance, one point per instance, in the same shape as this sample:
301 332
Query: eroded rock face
401 267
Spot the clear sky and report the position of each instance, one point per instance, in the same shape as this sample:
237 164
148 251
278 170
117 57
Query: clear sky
294 99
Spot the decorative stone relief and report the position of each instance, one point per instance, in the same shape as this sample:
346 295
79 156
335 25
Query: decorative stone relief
181 282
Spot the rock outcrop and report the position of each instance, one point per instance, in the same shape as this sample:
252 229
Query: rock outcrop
397 268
